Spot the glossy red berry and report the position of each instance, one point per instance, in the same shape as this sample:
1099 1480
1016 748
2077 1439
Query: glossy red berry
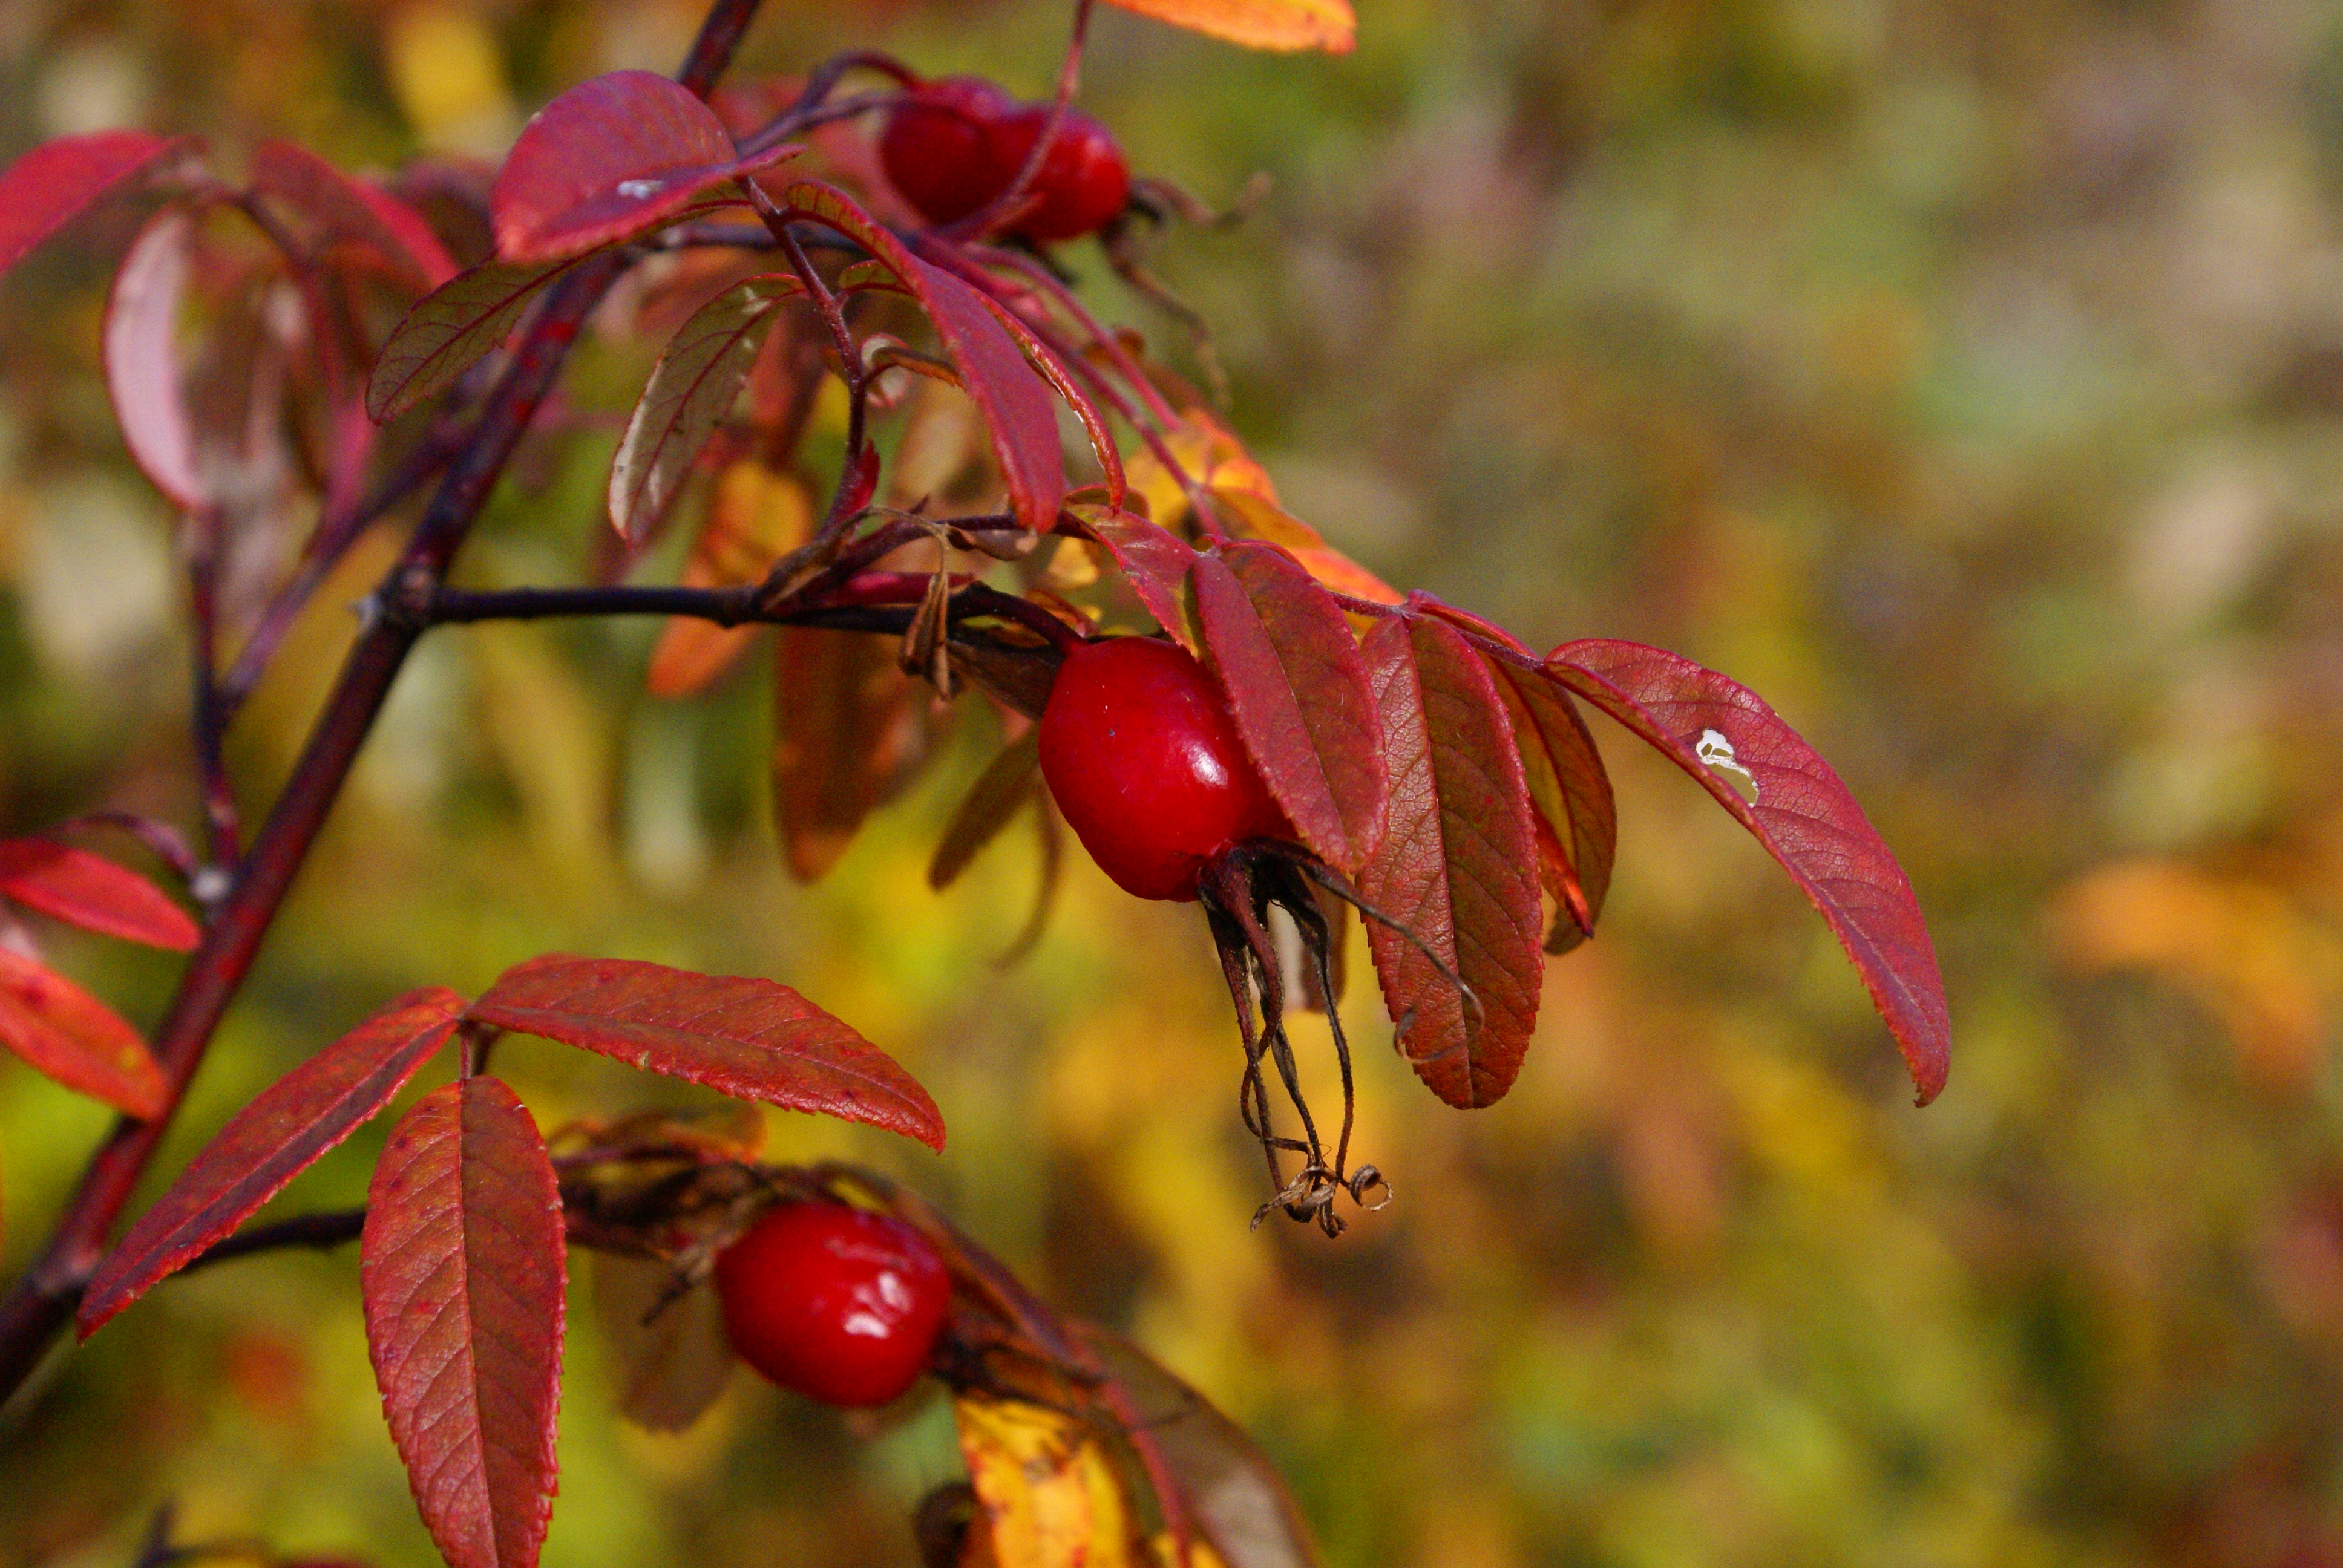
1143 760
1083 183
840 1305
941 146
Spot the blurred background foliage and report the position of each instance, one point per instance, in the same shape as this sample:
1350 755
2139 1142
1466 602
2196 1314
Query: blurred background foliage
1964 375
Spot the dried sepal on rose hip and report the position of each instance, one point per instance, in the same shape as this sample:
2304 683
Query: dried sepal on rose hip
838 1303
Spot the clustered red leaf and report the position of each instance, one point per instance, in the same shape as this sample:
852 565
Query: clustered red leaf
69 1035
92 892
59 181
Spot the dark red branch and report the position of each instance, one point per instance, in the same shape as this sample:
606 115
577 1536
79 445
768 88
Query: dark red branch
39 1304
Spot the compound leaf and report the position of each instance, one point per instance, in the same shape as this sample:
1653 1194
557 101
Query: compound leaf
69 1035
94 893
1457 866
461 1268
748 1038
284 1132
1298 694
1803 814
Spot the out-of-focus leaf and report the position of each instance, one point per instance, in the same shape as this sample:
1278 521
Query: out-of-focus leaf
1326 24
1154 561
1208 454
1256 517
69 1035
670 1356
1300 695
1050 1492
845 732
461 1267
1005 786
94 893
748 1038
278 1136
1016 399
755 515
1017 678
1231 1495
694 385
144 375
350 212
451 329
1803 814
59 181
1457 866
608 159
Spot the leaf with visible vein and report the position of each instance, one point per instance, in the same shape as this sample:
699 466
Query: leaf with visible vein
750 1038
1457 866
1804 815
450 330
462 1268
284 1132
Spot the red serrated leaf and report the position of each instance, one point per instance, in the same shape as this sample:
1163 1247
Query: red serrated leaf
1804 815
1578 820
347 212
750 1038
1013 395
94 893
695 384
450 330
461 1266
1326 24
144 373
57 181
608 159
1155 562
1457 865
1299 693
281 1133
69 1035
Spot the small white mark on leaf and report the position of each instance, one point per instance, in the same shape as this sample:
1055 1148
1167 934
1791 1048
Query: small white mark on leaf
636 190
1714 749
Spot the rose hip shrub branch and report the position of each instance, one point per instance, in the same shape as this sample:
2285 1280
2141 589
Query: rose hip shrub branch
1225 709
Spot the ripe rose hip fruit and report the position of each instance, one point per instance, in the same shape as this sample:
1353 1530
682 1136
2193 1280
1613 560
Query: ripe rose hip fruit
1082 185
1143 760
840 1305
941 146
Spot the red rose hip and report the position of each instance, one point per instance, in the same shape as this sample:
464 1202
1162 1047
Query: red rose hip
1082 184
839 1304
1145 762
941 146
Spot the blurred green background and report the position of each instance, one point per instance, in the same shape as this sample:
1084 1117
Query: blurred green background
1966 376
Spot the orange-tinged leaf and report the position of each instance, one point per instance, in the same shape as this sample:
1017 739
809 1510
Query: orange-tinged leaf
755 517
1050 1496
1457 866
1208 454
278 1136
1154 561
1803 814
94 893
461 1267
1000 792
1327 24
845 731
1254 517
750 1038
69 1035
1298 695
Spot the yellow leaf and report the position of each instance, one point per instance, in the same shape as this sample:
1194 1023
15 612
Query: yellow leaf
1208 453
1050 1494
1255 517
755 515
1326 24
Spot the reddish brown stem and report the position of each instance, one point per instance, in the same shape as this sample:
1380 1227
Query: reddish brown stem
37 1306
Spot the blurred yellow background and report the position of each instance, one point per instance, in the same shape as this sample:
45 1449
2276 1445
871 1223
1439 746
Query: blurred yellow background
1963 375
